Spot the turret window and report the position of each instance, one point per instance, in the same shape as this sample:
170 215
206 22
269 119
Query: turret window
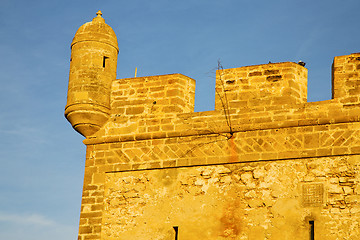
105 60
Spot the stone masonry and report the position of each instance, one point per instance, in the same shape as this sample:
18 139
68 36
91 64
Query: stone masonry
265 164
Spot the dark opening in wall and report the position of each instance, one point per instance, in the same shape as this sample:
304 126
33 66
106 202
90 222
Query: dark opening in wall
104 61
312 230
176 228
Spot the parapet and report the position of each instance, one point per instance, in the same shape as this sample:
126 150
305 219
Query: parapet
268 96
258 88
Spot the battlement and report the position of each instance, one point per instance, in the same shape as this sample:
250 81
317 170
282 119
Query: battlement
253 97
239 89
260 87
96 98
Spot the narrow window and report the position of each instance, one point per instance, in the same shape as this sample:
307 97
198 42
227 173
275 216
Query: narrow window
312 230
104 61
176 229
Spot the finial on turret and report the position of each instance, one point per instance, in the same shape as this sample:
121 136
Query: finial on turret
98 18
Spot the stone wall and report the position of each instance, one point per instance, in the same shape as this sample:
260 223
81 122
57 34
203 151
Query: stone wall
258 200
263 184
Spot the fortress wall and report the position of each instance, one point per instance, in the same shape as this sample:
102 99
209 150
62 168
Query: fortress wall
265 164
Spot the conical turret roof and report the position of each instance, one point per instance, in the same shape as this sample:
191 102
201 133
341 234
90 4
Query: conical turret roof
96 30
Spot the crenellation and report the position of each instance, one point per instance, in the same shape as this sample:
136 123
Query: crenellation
345 78
154 95
264 85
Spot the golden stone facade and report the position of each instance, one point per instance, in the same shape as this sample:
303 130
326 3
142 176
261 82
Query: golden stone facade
265 164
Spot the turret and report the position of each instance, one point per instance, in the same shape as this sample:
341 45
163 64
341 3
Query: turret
94 51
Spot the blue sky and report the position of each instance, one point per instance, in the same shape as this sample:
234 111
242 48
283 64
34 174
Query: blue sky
42 158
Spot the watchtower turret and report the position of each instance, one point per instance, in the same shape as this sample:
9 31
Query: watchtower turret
94 51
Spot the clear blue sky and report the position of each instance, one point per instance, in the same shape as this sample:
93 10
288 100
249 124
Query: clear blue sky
42 158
